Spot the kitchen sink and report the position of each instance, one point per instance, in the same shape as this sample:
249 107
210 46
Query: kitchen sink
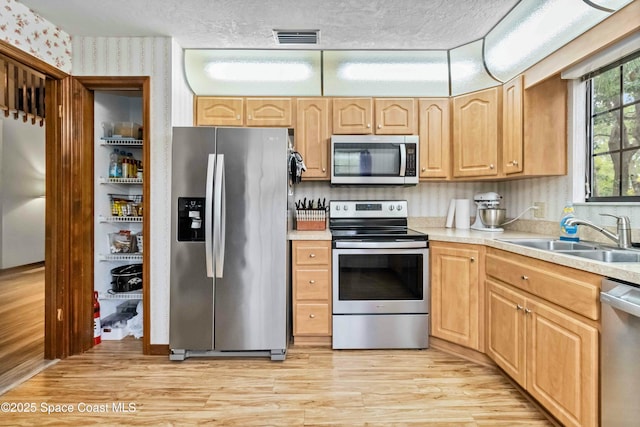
551 244
606 255
587 250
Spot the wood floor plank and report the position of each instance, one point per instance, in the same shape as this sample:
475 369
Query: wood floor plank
313 386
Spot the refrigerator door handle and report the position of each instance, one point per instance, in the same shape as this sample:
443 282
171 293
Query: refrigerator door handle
208 214
219 220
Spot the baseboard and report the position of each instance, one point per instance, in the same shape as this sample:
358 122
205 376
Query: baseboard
461 351
21 268
159 349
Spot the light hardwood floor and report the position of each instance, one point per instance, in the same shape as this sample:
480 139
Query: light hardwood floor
21 324
313 386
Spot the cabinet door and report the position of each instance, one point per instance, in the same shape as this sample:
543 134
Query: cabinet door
276 112
455 294
212 111
435 161
562 364
396 116
313 136
512 126
506 330
352 116
475 133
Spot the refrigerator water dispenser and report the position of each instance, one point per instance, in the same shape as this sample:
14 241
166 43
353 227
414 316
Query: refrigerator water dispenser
190 219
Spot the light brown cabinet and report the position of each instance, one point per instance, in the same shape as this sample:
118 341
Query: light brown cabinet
435 142
512 126
457 293
396 116
550 348
393 116
352 116
261 112
476 133
313 136
213 111
311 278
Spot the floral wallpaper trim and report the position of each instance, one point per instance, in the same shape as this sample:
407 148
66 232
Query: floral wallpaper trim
24 29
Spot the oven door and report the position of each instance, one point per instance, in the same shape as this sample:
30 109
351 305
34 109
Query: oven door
380 280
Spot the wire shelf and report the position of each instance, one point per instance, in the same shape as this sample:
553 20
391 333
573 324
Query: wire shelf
121 141
102 218
110 295
104 180
121 257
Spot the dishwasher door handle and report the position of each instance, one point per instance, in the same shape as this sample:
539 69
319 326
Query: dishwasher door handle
620 304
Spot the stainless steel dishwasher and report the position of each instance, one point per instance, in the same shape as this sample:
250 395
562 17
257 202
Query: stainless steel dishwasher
620 353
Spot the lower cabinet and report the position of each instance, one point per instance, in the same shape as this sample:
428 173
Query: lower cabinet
311 278
457 293
549 350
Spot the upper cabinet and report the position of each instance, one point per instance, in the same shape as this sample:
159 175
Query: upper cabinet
352 116
435 142
393 116
476 133
512 126
212 111
313 136
396 116
261 112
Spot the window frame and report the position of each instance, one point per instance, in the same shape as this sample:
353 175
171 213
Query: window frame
589 116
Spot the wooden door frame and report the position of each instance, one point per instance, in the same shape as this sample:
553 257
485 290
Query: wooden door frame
69 205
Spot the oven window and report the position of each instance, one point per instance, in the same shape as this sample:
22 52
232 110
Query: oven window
366 159
380 277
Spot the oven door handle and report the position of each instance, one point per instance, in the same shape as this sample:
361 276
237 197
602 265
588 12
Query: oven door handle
404 244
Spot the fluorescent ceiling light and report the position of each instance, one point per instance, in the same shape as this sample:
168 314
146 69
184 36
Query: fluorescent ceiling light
253 71
407 71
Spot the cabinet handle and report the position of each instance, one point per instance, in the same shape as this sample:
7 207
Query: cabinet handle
249 117
324 170
312 316
312 282
491 166
238 117
312 255
424 169
515 163
472 259
523 277
527 311
368 125
379 126
519 307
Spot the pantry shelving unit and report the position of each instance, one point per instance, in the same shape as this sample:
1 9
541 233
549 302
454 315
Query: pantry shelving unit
114 107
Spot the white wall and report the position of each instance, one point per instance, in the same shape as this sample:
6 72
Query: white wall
155 57
22 185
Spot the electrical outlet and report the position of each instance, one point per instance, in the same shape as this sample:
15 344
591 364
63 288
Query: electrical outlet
540 211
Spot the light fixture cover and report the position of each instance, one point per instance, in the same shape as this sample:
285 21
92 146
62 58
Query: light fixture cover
468 73
253 72
385 73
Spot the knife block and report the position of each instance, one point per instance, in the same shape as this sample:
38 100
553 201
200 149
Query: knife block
311 220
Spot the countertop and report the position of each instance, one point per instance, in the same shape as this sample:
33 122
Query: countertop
623 271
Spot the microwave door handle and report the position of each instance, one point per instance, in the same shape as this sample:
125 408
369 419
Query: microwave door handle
403 159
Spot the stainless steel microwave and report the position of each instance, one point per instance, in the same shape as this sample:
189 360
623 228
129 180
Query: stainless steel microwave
374 159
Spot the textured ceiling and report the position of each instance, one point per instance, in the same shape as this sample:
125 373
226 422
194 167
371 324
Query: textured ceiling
350 24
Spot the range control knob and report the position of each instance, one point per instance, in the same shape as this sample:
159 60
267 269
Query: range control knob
391 207
399 207
337 207
346 208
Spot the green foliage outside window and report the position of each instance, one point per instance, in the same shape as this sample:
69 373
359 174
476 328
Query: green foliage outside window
614 125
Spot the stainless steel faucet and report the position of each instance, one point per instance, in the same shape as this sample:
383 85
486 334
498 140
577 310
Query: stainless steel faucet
623 238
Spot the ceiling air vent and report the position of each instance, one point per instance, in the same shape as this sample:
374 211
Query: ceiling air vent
296 36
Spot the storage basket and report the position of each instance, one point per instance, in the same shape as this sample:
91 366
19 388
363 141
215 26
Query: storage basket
126 204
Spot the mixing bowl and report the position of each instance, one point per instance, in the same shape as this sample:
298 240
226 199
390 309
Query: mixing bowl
492 217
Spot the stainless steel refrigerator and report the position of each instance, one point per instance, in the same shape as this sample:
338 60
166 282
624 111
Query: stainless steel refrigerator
229 250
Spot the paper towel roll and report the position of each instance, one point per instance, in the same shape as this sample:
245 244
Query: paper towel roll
463 219
450 213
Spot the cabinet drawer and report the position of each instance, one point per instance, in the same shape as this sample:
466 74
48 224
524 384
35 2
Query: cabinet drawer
572 289
312 319
312 254
312 284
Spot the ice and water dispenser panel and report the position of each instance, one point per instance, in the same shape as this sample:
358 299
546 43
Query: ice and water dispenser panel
191 219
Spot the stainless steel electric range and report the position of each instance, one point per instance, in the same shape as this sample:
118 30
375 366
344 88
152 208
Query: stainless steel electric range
380 276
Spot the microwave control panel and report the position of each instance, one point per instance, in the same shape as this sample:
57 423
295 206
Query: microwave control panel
412 161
